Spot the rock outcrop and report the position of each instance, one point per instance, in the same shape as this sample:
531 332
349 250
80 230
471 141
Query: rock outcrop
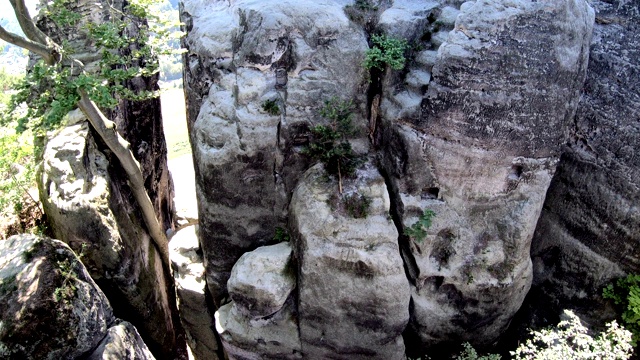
121 342
87 199
263 295
471 130
480 152
50 308
260 322
590 225
353 298
241 56
92 213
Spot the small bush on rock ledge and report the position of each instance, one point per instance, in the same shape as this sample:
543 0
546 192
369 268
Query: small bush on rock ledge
385 50
357 205
329 143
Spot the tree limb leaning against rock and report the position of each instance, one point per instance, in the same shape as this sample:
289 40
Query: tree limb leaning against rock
41 44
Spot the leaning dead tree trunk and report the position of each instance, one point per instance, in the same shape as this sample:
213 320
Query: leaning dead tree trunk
41 44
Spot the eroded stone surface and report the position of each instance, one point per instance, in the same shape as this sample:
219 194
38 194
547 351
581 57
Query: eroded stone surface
590 226
121 342
188 272
480 151
262 280
240 55
94 207
94 214
255 339
353 291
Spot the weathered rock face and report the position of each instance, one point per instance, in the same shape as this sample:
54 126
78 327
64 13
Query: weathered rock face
590 225
91 211
241 55
353 291
188 272
273 338
261 321
472 129
262 280
88 201
50 308
480 152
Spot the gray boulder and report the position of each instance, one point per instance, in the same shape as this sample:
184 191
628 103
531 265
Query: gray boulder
272 338
93 213
50 308
262 280
121 342
353 291
480 151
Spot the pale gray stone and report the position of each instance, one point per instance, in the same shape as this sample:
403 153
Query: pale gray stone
353 291
275 338
590 226
241 54
91 211
469 156
262 280
189 275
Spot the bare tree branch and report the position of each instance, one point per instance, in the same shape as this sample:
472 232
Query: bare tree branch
27 25
120 147
35 47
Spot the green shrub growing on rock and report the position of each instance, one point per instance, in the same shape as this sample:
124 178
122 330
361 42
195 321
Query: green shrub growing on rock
329 143
626 294
418 231
386 50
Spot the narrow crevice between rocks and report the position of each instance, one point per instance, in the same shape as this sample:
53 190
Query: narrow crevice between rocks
396 210
376 137
208 298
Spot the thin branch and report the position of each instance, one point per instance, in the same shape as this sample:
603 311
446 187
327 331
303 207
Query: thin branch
36 203
25 43
120 147
27 25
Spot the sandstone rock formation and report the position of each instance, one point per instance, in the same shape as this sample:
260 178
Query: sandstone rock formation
50 308
262 280
260 322
273 338
89 210
473 129
88 202
590 225
480 153
122 342
241 55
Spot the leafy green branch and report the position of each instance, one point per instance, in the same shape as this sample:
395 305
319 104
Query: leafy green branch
418 231
329 143
385 51
626 294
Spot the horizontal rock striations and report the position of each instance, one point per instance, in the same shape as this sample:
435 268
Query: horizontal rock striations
458 151
590 225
